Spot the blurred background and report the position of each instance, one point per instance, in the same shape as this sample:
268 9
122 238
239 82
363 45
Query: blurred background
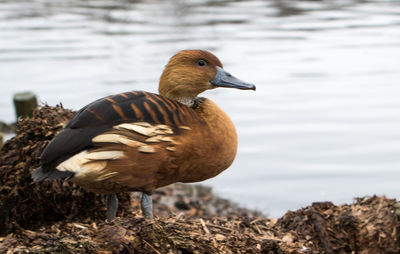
323 125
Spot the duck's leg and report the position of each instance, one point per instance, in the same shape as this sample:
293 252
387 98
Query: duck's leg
112 206
147 205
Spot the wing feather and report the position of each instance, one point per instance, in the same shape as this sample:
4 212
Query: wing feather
126 115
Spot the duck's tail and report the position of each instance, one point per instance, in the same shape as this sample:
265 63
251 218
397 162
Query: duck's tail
40 174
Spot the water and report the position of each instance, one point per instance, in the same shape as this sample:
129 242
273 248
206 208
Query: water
324 123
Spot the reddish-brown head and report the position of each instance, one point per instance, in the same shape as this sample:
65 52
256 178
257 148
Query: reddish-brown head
190 72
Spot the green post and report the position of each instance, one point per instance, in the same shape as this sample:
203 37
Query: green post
24 103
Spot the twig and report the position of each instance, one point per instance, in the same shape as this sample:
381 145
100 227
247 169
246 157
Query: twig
79 226
180 215
204 226
151 246
256 220
258 229
220 227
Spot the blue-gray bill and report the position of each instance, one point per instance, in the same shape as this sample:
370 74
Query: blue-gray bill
225 79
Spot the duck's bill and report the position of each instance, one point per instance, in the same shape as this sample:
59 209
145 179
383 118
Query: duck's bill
225 79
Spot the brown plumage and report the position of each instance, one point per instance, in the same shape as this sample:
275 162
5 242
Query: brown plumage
140 141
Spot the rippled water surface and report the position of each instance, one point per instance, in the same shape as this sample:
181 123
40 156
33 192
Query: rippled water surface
324 123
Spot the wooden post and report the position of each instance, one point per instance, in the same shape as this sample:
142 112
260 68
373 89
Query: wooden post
1 140
24 103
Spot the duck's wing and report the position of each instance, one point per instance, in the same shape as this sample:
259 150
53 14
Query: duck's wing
126 120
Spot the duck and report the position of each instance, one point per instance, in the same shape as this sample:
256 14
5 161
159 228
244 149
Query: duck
140 141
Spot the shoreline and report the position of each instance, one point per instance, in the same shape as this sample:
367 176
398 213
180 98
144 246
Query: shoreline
61 217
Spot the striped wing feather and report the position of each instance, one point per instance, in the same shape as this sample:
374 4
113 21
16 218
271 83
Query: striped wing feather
133 122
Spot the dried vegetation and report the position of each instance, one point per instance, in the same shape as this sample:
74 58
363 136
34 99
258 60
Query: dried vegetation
60 217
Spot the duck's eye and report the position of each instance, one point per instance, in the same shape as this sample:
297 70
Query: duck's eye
201 63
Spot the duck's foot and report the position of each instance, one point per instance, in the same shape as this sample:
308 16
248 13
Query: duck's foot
147 205
112 206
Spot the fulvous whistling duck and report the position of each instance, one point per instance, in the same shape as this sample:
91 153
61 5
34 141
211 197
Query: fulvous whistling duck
140 141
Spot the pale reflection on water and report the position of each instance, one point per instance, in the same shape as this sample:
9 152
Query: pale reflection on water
324 123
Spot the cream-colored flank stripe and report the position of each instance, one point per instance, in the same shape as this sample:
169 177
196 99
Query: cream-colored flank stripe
159 138
105 155
146 131
89 163
146 149
156 133
116 138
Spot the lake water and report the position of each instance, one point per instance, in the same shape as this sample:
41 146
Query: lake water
324 123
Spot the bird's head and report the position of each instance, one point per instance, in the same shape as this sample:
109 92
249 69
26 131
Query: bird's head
191 72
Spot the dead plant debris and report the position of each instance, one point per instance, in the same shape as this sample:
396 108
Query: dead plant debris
60 217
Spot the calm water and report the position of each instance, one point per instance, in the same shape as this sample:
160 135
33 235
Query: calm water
324 123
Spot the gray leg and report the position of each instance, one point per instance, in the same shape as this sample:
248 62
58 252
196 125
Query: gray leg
147 205
112 206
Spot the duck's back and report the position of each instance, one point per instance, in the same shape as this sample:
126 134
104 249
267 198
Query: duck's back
132 140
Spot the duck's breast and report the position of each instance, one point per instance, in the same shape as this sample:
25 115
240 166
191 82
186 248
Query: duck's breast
210 147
